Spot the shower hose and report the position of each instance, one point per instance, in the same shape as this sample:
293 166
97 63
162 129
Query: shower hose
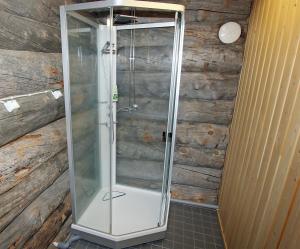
67 244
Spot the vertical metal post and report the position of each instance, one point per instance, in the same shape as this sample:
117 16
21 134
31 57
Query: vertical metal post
181 27
169 127
66 74
172 116
111 130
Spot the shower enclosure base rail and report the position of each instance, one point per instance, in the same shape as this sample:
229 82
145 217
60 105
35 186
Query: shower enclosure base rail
130 222
122 242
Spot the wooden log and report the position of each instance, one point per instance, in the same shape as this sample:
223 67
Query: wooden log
86 169
237 6
34 112
206 33
140 169
223 59
196 176
181 192
190 16
84 144
212 158
216 18
21 33
14 200
46 12
41 171
83 97
178 191
141 131
140 183
209 86
24 72
63 233
86 188
85 147
32 26
83 68
38 110
182 2
86 166
147 84
141 151
40 159
182 174
22 156
189 134
146 37
84 122
215 112
202 32
51 226
206 86
194 194
154 58
32 218
201 134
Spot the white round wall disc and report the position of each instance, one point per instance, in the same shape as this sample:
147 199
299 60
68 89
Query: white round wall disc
230 32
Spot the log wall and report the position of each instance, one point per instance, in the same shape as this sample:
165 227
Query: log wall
210 75
260 195
34 189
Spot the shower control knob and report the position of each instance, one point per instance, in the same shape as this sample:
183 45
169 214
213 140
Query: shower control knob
164 138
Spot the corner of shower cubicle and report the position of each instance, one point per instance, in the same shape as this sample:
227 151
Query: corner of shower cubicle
99 56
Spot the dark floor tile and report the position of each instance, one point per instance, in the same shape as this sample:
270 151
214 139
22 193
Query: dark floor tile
210 246
168 243
145 246
177 245
189 227
199 229
188 234
188 242
199 244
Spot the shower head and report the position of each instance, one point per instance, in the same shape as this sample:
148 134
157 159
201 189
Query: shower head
124 19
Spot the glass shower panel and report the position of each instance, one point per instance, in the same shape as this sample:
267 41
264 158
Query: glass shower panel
89 114
144 67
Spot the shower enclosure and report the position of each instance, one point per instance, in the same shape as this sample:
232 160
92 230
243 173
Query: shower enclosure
121 64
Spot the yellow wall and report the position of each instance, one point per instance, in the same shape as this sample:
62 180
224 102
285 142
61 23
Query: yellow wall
260 194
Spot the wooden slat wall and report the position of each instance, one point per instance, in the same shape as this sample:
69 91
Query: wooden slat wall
260 194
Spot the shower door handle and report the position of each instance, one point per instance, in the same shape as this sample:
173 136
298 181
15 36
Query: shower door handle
164 136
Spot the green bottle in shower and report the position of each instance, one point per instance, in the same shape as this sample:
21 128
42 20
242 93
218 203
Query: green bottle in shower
115 96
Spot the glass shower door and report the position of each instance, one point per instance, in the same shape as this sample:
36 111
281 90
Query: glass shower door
89 123
144 67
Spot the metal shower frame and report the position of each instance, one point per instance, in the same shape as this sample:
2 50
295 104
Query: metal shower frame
150 234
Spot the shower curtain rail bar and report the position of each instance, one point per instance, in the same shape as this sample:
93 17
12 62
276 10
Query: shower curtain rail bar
83 19
125 3
146 25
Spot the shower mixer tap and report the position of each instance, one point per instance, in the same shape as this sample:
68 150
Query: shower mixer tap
106 48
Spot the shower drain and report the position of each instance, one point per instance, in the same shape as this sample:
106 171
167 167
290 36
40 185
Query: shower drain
115 194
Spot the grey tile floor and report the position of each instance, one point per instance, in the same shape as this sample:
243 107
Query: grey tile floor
189 227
